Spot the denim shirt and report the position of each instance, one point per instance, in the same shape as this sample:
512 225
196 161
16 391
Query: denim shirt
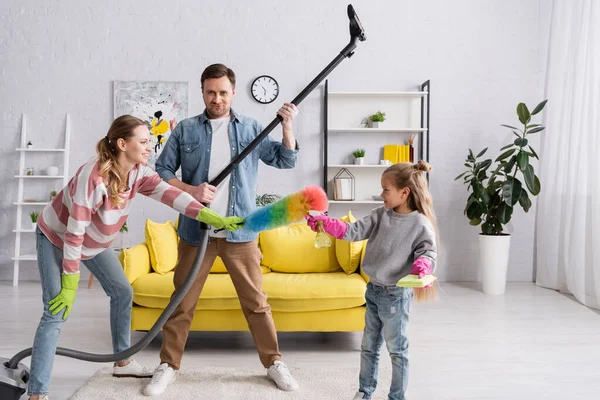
189 147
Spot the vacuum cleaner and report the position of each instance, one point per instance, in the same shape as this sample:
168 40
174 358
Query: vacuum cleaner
14 375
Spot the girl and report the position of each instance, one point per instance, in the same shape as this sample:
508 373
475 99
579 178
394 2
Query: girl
402 241
80 224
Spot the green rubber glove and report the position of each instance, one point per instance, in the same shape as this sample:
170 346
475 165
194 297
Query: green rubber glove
66 297
210 217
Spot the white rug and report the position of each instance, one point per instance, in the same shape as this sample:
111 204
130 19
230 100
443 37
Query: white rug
235 384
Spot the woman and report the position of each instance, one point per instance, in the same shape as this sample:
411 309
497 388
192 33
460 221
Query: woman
80 224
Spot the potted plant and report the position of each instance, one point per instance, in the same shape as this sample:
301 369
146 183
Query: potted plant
496 188
266 199
359 156
377 119
52 195
34 216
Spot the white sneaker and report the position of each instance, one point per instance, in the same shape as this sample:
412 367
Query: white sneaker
131 370
163 377
279 374
359 396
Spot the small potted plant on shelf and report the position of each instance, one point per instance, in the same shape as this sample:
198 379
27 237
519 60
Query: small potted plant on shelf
496 190
34 216
377 119
52 195
359 156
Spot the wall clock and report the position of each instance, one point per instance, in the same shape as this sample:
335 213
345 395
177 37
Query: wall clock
265 89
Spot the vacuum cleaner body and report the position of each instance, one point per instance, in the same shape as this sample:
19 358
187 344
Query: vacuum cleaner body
13 382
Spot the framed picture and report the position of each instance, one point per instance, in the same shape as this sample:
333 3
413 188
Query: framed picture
155 102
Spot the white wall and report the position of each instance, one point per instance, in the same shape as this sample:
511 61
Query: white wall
482 57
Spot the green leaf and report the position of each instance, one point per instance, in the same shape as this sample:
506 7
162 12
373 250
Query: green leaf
511 191
482 166
510 164
505 154
474 211
460 176
507 146
475 221
539 107
524 200
533 152
508 126
531 180
504 213
522 160
532 126
521 142
471 154
482 152
486 228
516 134
538 129
523 113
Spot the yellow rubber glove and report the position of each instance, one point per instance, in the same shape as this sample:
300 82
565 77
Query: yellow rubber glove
210 217
66 297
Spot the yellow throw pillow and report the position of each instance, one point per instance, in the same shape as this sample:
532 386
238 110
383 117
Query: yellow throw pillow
362 259
291 249
348 253
161 240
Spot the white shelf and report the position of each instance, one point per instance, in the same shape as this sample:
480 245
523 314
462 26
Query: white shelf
379 94
40 176
25 257
357 166
41 150
355 201
31 203
24 230
377 130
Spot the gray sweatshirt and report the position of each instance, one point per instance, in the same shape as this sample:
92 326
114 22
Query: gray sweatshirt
395 241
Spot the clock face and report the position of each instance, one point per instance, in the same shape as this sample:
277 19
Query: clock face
265 89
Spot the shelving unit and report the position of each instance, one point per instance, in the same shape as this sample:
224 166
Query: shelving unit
23 179
407 114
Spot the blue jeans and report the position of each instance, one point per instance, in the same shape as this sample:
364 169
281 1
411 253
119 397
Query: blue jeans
386 317
109 272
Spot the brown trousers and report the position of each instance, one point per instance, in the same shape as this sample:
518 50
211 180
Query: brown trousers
242 261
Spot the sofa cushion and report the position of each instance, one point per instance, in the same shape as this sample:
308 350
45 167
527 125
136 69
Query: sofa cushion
348 253
162 245
286 292
291 249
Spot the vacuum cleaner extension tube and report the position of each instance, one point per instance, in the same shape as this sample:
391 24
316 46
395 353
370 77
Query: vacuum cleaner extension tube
14 375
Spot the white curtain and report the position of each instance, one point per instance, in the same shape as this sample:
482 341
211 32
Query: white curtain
568 209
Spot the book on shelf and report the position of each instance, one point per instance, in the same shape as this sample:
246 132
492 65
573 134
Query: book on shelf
396 153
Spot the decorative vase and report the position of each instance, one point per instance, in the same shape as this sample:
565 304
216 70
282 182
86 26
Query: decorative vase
52 170
493 256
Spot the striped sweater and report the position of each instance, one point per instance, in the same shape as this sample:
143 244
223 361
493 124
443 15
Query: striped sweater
83 222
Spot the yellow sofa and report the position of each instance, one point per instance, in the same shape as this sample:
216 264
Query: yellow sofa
309 289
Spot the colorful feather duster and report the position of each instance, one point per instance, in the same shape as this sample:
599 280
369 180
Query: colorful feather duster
290 209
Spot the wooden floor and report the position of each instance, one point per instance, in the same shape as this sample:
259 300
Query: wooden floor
531 343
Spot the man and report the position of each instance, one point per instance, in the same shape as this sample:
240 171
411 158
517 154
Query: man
203 146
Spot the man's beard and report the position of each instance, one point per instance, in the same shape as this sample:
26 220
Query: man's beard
213 115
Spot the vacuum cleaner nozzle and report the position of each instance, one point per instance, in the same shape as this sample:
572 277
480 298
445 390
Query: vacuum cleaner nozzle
356 29
13 382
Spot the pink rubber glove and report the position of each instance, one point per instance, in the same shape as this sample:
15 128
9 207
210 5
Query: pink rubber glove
334 227
421 267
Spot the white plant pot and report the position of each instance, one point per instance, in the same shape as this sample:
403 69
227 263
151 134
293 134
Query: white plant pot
376 124
359 161
33 225
493 256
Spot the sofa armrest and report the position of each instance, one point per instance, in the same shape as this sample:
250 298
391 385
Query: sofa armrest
135 261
